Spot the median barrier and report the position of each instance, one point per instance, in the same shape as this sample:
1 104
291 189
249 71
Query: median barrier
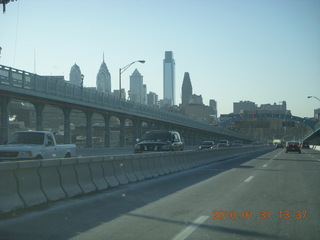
184 161
97 173
84 175
108 171
9 197
68 177
29 185
50 180
163 164
128 169
151 165
136 167
143 160
157 164
119 169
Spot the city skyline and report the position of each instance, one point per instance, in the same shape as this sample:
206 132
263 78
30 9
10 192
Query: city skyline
263 51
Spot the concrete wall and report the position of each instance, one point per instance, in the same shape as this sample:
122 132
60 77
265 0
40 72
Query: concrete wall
24 184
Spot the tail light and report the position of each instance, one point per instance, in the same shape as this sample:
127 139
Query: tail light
299 145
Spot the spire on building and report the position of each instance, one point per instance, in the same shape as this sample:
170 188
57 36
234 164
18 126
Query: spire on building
103 78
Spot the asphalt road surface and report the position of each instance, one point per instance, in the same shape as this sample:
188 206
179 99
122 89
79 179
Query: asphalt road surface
270 195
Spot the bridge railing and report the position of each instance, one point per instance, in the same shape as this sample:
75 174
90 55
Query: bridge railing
58 87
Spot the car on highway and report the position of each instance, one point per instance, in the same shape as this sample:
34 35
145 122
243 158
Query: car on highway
305 145
28 145
223 143
159 140
237 143
206 145
280 145
293 147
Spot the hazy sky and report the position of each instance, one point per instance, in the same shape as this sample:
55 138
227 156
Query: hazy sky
264 51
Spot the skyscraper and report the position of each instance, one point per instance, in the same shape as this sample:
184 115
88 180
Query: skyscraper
169 78
75 75
104 78
186 89
137 89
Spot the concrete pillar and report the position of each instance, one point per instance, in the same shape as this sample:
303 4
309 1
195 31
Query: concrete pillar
150 125
4 101
67 128
136 129
39 115
89 130
122 132
107 130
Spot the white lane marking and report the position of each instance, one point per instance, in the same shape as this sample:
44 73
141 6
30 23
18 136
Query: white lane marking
249 179
265 165
186 232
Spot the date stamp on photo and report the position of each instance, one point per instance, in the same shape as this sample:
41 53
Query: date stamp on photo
284 214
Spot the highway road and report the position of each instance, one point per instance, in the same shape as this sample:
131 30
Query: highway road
265 195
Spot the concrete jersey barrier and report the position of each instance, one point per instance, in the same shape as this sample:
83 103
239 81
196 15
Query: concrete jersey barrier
25 184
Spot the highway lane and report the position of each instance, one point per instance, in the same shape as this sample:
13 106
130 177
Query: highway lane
273 194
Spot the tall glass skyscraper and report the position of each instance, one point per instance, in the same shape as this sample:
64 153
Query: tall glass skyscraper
186 89
169 78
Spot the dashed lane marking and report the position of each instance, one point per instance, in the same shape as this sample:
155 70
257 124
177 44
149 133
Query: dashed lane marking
249 179
193 226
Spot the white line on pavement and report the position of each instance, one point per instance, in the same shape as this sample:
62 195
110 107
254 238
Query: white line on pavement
249 179
186 232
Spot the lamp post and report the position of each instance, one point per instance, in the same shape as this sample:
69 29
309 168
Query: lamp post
121 70
314 97
82 77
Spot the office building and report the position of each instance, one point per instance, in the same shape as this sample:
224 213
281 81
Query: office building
169 78
104 79
75 75
239 107
186 91
137 89
213 106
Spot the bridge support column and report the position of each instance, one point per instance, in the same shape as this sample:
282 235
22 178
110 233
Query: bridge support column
67 128
106 131
39 115
136 130
150 125
122 132
89 130
4 101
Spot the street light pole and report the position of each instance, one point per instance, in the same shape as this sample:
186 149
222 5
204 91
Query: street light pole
314 97
121 70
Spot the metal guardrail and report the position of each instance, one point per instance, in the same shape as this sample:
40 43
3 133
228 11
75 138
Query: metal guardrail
53 87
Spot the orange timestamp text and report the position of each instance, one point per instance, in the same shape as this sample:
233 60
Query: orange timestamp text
263 214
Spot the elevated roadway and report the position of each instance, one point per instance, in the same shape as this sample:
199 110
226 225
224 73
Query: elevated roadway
46 90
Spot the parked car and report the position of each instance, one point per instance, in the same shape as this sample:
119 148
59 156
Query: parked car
27 145
223 143
206 145
293 147
159 140
305 145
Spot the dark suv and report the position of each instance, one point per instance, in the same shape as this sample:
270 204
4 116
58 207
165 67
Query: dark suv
293 147
159 140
